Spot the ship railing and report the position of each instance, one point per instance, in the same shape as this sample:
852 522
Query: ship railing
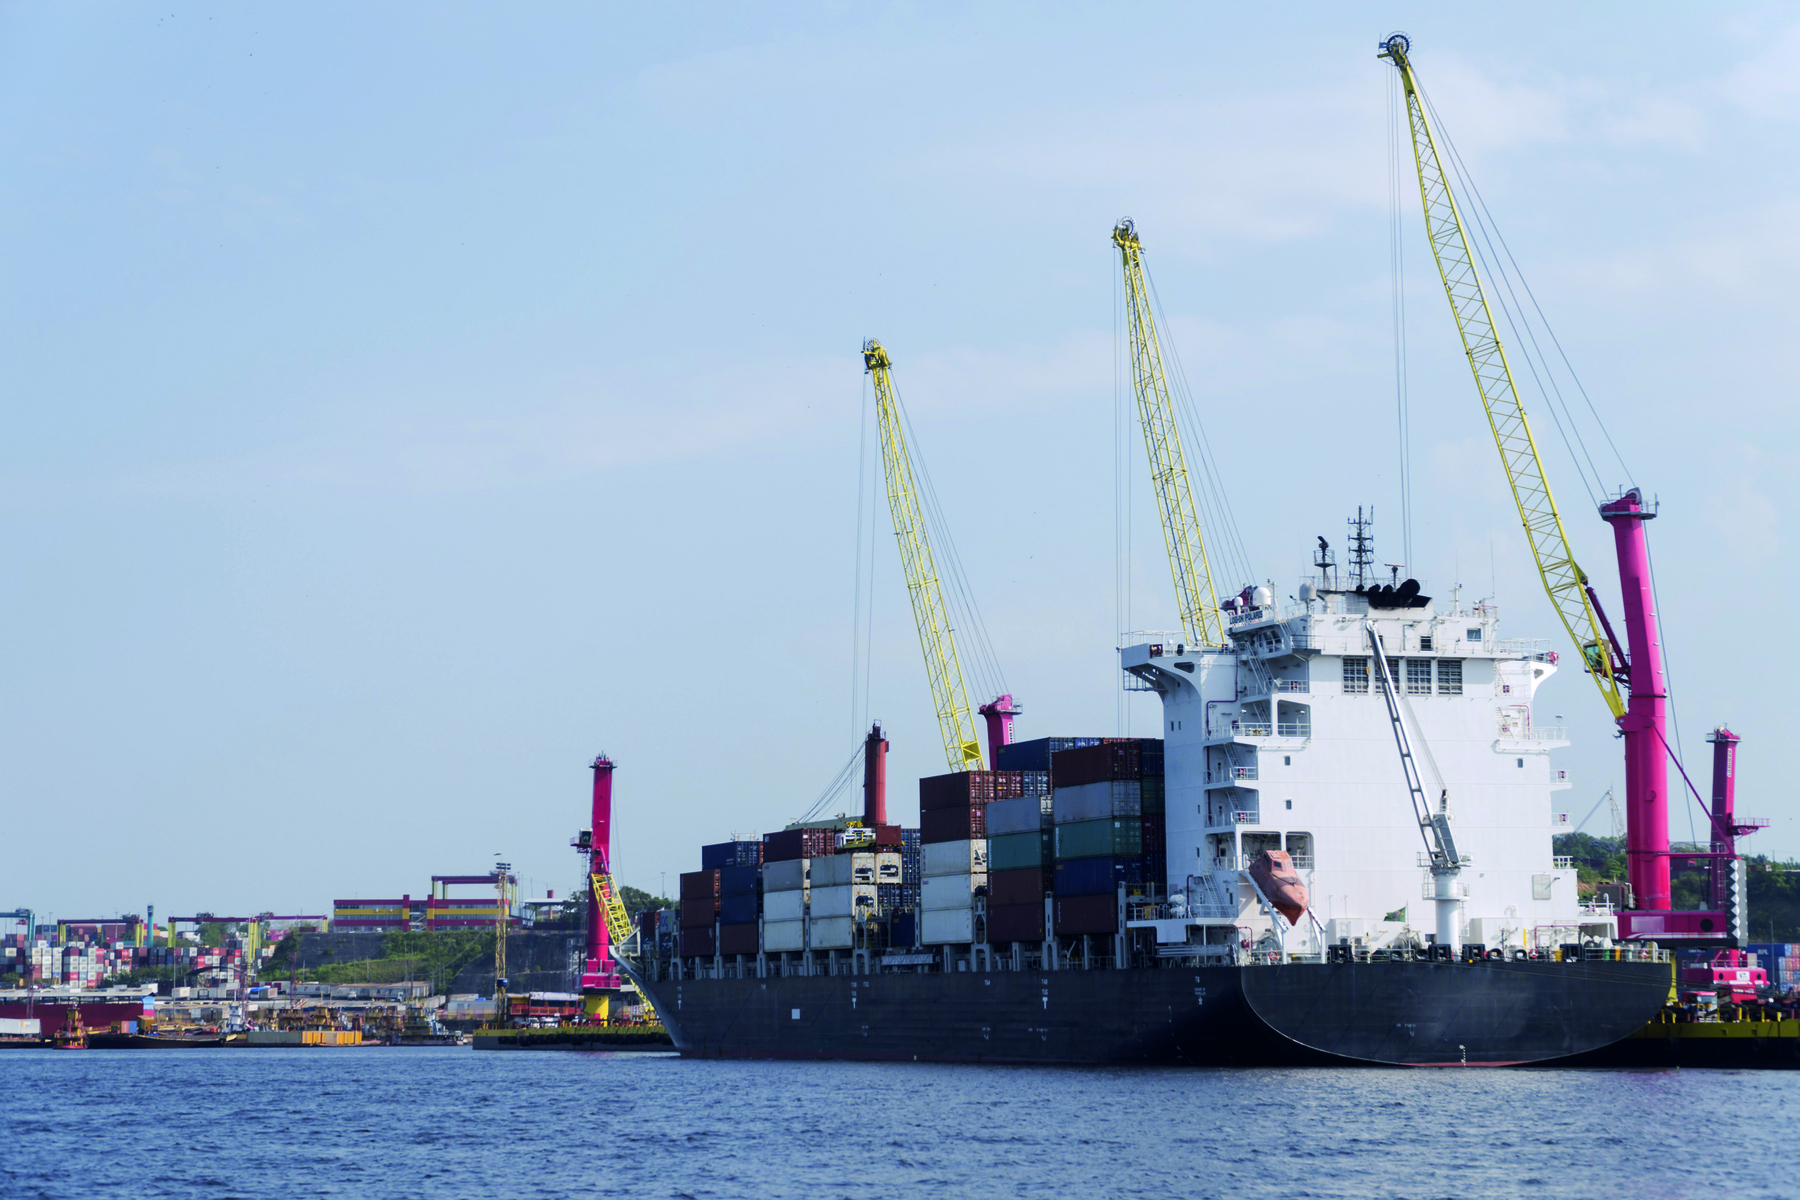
1245 729
1293 685
1160 641
1562 862
1242 773
1246 816
1455 889
1294 729
1531 647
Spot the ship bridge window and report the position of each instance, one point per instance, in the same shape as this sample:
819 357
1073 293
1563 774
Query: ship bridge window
1449 677
1300 848
1472 635
1418 677
1356 676
1425 641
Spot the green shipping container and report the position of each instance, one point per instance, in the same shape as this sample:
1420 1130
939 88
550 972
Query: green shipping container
1015 851
1117 837
1152 795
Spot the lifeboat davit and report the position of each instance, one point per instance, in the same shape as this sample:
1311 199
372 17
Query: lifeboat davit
1274 873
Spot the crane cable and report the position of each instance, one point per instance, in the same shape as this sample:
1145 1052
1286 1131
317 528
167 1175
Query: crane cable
1397 305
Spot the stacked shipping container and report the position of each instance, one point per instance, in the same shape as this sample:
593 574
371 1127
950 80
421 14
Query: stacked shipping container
953 862
1107 814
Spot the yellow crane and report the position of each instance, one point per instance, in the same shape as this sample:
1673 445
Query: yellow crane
618 925
1564 580
1194 594
956 718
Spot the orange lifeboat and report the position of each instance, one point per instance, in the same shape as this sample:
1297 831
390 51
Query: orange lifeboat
1274 873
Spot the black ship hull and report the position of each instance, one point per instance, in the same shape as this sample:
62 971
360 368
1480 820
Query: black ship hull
1301 1014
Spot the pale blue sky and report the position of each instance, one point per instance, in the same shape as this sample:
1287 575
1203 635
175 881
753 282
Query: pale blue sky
407 403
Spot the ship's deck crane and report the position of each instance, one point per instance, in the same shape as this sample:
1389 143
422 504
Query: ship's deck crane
1194 593
1434 824
1642 718
1564 580
956 718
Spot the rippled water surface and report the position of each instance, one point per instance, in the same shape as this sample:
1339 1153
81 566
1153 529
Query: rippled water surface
376 1122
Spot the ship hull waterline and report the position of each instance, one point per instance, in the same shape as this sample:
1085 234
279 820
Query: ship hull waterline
1299 1014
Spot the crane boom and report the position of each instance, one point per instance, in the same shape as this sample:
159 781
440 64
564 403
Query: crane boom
1194 593
1564 580
956 718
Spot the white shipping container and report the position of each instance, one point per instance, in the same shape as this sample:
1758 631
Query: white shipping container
887 866
947 925
839 869
779 936
1094 801
21 1026
833 933
787 876
841 901
1024 815
969 856
784 906
949 891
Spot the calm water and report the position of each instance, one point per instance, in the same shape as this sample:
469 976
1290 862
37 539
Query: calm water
451 1122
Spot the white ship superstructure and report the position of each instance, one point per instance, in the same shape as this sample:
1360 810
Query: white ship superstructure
1283 741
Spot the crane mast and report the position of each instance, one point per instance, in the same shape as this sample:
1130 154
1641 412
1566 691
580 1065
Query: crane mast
956 718
1564 580
1194 593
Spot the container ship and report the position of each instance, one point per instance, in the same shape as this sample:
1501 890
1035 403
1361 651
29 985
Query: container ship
1338 849
1252 888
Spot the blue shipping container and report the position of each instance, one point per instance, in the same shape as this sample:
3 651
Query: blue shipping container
903 930
720 855
1036 783
1097 876
741 909
740 880
1035 754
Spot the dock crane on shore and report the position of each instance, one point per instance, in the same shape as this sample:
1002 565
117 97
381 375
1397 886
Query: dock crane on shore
1641 715
943 668
1194 594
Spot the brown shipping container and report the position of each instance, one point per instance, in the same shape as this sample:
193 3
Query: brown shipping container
953 824
699 912
887 835
1024 886
1016 923
738 939
699 885
963 788
1087 914
698 943
1096 764
790 844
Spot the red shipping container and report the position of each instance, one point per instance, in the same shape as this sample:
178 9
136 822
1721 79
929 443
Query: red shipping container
699 914
699 885
1016 923
1087 914
790 844
738 939
699 943
963 788
953 824
1026 885
1096 764
887 835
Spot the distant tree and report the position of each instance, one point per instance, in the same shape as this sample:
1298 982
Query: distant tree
636 900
